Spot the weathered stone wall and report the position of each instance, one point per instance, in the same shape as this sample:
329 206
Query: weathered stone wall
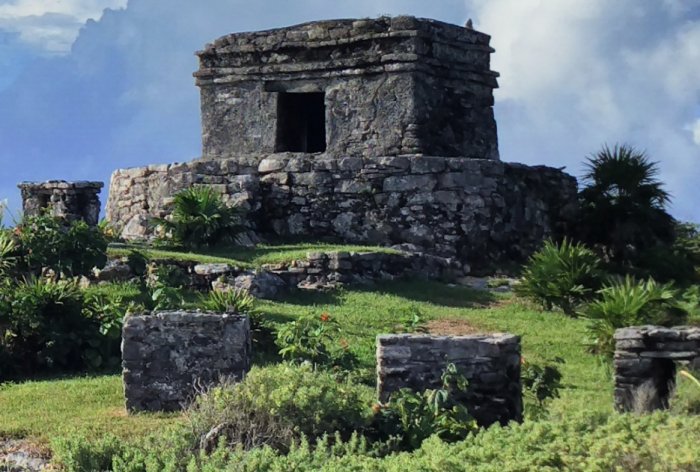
491 364
475 210
645 358
392 86
166 356
323 270
68 200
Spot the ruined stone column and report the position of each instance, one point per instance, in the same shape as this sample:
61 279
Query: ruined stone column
645 364
71 201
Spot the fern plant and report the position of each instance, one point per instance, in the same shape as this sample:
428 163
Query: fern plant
200 218
560 275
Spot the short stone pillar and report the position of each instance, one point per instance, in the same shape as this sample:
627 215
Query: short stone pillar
645 364
168 356
69 200
491 364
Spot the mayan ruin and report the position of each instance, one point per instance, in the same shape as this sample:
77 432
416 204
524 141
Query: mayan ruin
360 131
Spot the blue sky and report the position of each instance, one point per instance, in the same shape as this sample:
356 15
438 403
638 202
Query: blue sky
88 86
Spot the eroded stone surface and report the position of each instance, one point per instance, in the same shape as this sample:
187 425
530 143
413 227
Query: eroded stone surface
491 364
168 356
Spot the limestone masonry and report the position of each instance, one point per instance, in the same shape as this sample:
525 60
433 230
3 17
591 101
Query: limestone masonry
373 131
70 200
490 363
646 357
167 356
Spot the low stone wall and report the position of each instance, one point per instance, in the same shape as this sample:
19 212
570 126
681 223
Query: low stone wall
479 211
491 364
167 356
645 358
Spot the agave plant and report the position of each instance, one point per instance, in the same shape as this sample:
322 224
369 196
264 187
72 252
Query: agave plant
623 203
7 249
629 302
200 218
560 275
225 301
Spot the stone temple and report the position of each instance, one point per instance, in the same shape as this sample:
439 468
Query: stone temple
376 131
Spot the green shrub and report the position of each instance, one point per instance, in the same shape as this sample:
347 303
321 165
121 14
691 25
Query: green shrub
164 287
307 338
541 383
411 417
48 242
629 302
201 219
137 262
8 259
655 442
108 311
560 275
44 327
277 405
228 301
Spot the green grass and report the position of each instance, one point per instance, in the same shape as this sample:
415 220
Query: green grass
44 409
245 257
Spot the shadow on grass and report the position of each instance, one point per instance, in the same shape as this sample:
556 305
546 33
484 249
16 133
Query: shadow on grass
433 292
310 298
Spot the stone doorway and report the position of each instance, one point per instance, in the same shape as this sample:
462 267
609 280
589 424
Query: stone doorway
301 122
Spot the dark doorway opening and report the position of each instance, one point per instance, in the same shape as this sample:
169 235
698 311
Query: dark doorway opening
301 122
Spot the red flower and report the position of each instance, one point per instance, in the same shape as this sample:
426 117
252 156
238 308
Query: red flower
325 317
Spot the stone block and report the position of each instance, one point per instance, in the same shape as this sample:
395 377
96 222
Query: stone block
167 356
417 362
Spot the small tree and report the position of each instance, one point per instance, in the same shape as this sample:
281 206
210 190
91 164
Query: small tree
624 204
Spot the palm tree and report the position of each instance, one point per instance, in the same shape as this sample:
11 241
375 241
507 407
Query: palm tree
624 204
200 218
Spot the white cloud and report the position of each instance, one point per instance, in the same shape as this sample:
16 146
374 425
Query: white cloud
577 74
694 129
51 25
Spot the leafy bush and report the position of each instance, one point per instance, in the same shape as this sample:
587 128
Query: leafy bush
201 219
48 242
277 405
44 327
164 286
540 383
411 317
623 204
411 417
8 260
307 339
108 311
560 275
659 441
628 302
137 262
